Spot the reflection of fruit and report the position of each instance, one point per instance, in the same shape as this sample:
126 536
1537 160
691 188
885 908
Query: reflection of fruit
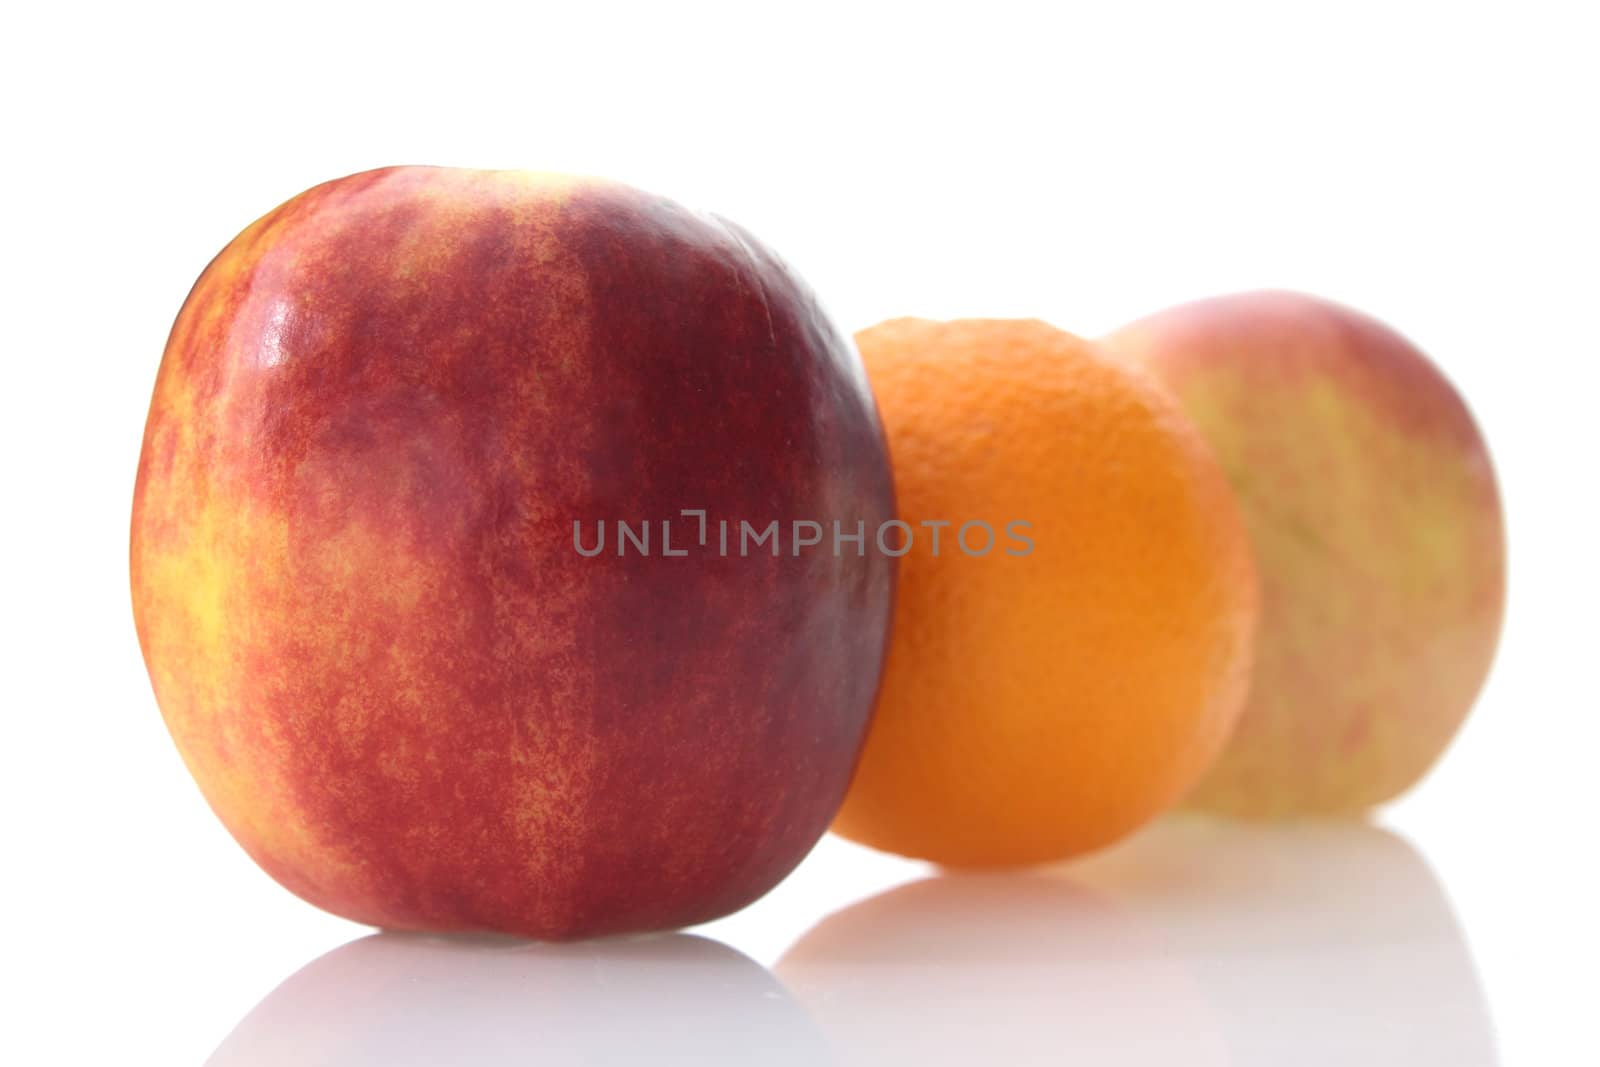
393 1000
1193 942
381 411
1039 705
1378 535
1002 969
1317 943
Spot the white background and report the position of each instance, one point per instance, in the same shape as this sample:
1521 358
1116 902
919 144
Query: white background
1434 165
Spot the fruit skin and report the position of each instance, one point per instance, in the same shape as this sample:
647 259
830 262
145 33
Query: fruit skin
1038 706
380 412
1379 538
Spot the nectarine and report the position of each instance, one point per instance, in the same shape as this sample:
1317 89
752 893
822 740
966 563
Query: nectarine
1376 524
382 413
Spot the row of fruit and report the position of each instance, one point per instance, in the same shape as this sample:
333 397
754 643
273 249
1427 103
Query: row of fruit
1245 554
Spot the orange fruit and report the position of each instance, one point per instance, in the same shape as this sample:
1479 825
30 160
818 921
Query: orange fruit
1048 696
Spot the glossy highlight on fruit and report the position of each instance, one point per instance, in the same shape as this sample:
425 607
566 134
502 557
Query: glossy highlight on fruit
380 413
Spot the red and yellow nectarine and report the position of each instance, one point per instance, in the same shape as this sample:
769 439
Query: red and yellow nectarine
381 411
1378 535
